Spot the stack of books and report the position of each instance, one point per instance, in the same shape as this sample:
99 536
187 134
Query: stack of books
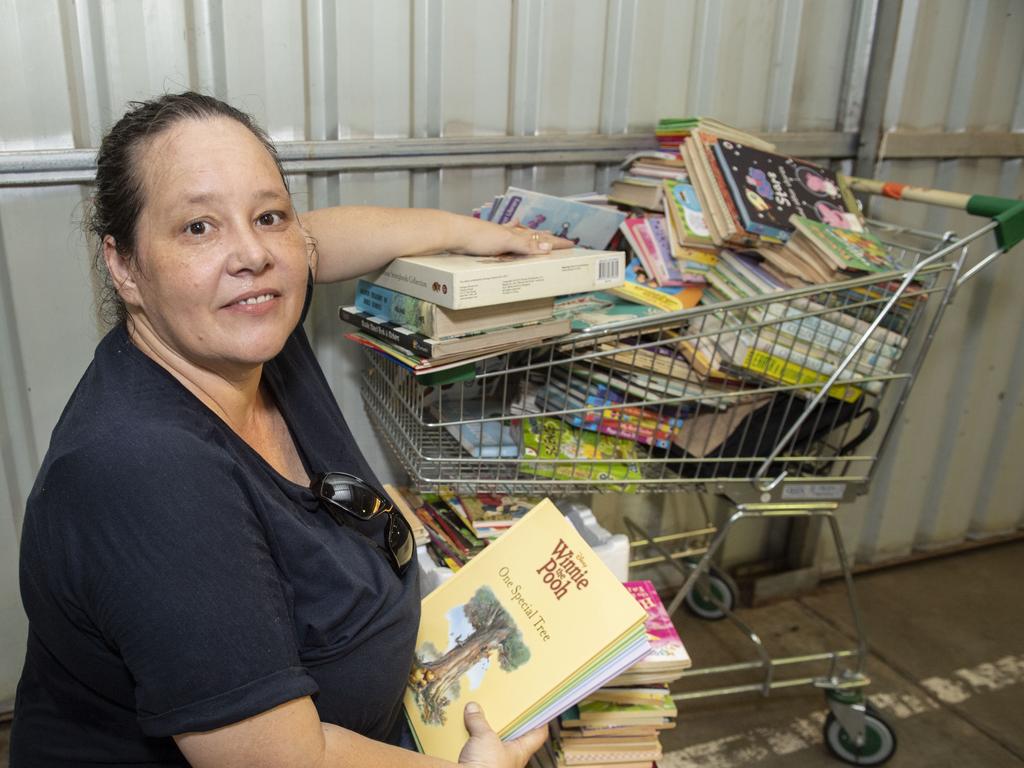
620 723
431 313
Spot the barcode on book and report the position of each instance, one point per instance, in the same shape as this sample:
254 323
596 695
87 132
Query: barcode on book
608 270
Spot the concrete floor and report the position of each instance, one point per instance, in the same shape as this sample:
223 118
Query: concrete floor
946 663
947 669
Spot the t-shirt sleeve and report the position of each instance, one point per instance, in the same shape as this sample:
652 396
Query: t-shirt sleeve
174 566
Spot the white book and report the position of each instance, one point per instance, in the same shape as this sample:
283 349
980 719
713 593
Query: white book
456 281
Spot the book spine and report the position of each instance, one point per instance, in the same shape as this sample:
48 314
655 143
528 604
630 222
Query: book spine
633 229
738 235
379 328
663 249
648 296
408 311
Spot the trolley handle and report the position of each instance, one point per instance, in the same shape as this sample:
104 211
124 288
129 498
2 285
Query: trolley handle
1007 213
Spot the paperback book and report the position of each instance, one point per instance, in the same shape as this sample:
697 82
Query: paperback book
458 281
589 226
435 321
527 628
467 344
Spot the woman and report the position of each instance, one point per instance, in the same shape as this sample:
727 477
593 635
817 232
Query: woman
196 590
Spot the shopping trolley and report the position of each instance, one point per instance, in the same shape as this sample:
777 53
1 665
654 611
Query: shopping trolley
779 403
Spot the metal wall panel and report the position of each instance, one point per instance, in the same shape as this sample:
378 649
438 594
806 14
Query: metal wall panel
344 69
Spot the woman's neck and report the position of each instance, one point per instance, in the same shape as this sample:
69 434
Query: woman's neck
232 392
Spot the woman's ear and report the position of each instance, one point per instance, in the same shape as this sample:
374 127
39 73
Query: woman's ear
121 273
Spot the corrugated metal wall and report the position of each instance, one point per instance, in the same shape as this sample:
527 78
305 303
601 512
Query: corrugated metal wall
324 70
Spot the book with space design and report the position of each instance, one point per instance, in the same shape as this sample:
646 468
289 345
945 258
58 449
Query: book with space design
767 189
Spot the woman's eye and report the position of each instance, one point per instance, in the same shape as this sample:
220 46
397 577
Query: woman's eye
269 219
197 228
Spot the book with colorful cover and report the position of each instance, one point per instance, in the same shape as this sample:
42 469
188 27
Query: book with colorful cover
598 408
590 310
588 456
768 188
641 288
589 226
683 207
528 627
668 658
845 249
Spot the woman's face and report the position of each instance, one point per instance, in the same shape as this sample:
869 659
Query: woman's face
220 274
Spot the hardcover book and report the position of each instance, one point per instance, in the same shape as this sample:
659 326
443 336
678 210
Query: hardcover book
767 189
457 281
528 627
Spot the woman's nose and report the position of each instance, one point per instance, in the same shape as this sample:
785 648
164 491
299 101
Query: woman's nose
249 252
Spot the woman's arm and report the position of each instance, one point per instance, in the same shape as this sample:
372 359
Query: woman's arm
292 736
354 240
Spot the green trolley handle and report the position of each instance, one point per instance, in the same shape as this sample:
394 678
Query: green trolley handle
1008 214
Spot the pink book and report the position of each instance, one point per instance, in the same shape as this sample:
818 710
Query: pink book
667 647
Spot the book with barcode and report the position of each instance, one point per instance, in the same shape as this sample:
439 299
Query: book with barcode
457 281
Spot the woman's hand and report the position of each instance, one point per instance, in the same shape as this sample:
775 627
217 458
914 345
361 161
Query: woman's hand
492 240
485 750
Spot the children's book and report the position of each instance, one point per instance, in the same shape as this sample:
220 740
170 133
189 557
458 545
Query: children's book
530 626
667 660
844 249
767 189
640 287
477 425
581 455
589 226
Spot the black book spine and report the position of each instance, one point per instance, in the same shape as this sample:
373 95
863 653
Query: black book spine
402 337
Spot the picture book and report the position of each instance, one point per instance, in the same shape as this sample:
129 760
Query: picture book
592 310
589 226
668 658
683 206
767 189
581 455
640 287
439 322
458 281
530 626
844 249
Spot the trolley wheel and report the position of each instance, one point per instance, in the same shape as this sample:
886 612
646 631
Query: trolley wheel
879 740
715 584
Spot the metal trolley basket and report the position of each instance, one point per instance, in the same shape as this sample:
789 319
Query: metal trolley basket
766 401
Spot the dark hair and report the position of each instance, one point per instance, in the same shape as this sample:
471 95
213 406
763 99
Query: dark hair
118 199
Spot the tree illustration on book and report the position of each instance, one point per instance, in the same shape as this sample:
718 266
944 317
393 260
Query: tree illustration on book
478 630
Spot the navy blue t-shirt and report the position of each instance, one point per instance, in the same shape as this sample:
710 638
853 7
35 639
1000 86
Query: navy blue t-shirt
175 582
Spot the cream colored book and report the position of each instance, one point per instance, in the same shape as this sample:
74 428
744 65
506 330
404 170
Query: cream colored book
457 281
527 628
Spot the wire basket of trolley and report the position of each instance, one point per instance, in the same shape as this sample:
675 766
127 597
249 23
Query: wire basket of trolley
767 397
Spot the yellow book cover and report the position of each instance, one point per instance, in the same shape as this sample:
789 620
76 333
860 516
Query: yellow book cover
523 622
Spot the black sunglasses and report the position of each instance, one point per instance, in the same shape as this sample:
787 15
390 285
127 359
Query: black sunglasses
340 491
